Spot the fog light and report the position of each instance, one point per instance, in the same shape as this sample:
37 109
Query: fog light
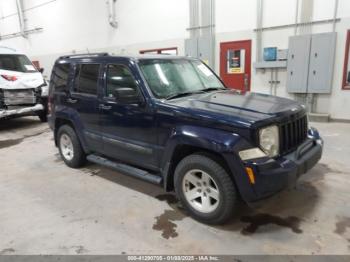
250 174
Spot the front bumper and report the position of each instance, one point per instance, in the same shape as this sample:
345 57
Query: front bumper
274 175
21 111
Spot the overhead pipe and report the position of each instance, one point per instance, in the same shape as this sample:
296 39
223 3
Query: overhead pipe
296 18
28 9
194 19
20 13
112 13
212 32
336 6
259 23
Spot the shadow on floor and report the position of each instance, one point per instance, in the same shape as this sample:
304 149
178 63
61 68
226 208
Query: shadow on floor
19 123
289 209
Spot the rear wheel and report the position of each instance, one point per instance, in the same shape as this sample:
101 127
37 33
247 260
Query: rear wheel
70 148
205 189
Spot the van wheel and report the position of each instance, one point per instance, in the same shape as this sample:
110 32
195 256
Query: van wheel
43 116
70 148
205 189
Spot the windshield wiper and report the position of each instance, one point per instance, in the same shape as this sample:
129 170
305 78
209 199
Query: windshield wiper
209 89
183 94
194 92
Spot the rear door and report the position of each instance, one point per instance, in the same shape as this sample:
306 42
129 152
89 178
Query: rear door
84 99
235 64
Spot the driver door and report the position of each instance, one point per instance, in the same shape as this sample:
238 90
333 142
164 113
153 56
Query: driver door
128 130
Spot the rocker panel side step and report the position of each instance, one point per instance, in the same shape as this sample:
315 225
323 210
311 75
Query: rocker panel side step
125 169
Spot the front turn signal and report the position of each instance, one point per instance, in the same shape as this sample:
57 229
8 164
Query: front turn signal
251 175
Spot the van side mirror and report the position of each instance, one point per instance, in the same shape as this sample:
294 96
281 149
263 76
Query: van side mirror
41 70
126 96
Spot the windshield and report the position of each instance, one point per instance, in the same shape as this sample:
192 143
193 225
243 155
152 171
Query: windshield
171 77
18 63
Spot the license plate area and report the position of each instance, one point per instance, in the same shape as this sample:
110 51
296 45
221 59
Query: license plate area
19 97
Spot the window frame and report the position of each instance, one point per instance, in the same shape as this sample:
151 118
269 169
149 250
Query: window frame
105 81
159 50
346 85
76 67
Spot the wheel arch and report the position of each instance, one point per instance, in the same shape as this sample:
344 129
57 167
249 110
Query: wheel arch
183 151
61 121
188 140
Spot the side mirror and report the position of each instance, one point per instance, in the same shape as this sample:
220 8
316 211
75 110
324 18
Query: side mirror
41 70
126 96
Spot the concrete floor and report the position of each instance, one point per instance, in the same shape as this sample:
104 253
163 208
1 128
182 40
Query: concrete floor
47 208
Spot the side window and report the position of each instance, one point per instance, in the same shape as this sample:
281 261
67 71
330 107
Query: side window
86 79
118 76
60 77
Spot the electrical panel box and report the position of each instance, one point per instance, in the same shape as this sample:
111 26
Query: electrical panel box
298 63
191 47
200 48
311 63
270 54
282 54
322 58
205 45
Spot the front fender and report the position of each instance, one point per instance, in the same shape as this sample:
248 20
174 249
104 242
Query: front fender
221 142
207 138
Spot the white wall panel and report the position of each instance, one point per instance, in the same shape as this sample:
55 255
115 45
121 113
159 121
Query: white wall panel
81 24
279 12
235 15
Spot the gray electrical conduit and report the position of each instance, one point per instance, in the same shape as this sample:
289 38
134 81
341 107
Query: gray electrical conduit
28 9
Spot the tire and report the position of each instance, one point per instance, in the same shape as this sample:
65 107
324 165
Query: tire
217 194
43 116
69 142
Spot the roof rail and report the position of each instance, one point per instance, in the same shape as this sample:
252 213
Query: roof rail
85 55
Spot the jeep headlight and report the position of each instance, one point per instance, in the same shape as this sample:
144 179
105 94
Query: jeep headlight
269 140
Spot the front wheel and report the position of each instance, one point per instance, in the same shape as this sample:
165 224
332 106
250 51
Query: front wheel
205 189
43 116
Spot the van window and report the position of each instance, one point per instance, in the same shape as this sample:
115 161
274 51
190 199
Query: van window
86 79
118 76
18 63
60 77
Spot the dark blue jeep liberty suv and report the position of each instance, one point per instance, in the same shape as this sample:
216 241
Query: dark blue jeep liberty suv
171 121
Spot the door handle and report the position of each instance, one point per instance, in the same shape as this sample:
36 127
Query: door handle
104 107
72 101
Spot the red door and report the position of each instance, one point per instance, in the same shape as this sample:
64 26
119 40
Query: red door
235 64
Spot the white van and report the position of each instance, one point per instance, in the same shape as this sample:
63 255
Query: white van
23 90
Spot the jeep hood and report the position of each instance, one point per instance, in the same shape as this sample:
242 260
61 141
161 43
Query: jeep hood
231 106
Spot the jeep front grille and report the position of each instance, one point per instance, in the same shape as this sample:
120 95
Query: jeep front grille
19 97
293 134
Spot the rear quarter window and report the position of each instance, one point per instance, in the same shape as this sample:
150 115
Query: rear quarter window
59 78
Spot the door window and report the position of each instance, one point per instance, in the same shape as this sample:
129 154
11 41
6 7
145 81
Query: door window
118 76
86 79
235 61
